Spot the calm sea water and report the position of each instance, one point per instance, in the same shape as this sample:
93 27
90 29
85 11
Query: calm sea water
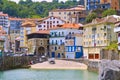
28 74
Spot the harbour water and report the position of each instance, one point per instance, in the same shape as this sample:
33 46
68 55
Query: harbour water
29 74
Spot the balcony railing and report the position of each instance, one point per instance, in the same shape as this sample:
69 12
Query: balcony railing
57 43
117 29
52 36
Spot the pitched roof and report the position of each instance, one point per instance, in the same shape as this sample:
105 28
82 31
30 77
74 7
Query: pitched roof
108 19
11 18
68 26
28 24
2 14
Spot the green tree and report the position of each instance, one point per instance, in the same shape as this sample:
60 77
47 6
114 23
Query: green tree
10 8
109 12
27 8
113 46
90 17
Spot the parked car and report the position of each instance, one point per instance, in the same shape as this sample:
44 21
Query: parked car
51 60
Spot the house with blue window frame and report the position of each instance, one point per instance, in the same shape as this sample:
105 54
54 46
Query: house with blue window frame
57 39
96 4
73 46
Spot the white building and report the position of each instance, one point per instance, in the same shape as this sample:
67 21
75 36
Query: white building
72 15
4 21
58 38
117 30
49 22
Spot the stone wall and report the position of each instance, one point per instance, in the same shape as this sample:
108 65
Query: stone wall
109 70
109 54
15 62
93 66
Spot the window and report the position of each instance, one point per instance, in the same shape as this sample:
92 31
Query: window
56 42
40 29
52 42
52 48
51 13
98 35
59 47
55 48
62 33
98 42
57 21
59 12
69 49
78 49
72 48
69 32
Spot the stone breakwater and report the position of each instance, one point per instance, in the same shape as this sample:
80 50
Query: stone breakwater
93 66
109 70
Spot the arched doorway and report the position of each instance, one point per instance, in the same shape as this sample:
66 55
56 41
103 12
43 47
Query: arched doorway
41 51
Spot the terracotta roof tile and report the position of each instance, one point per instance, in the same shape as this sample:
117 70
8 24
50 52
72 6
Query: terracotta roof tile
11 18
108 19
28 24
2 14
68 25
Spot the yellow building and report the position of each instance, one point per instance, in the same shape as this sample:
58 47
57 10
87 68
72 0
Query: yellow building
97 35
27 28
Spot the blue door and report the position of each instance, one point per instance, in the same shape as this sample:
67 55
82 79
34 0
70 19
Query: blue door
58 55
78 54
53 54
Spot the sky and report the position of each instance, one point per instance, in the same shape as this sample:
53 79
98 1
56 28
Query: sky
38 0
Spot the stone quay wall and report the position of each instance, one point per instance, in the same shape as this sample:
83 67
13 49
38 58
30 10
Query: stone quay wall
92 65
15 62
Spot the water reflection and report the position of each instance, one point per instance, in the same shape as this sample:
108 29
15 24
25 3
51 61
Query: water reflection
28 74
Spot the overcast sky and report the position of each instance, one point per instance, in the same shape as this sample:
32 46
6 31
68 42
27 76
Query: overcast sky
38 0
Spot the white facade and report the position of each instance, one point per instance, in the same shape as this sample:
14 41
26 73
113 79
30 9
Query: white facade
63 33
117 30
4 21
69 15
49 23
58 41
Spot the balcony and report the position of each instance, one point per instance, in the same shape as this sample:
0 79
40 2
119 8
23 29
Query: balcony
53 36
57 43
117 29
